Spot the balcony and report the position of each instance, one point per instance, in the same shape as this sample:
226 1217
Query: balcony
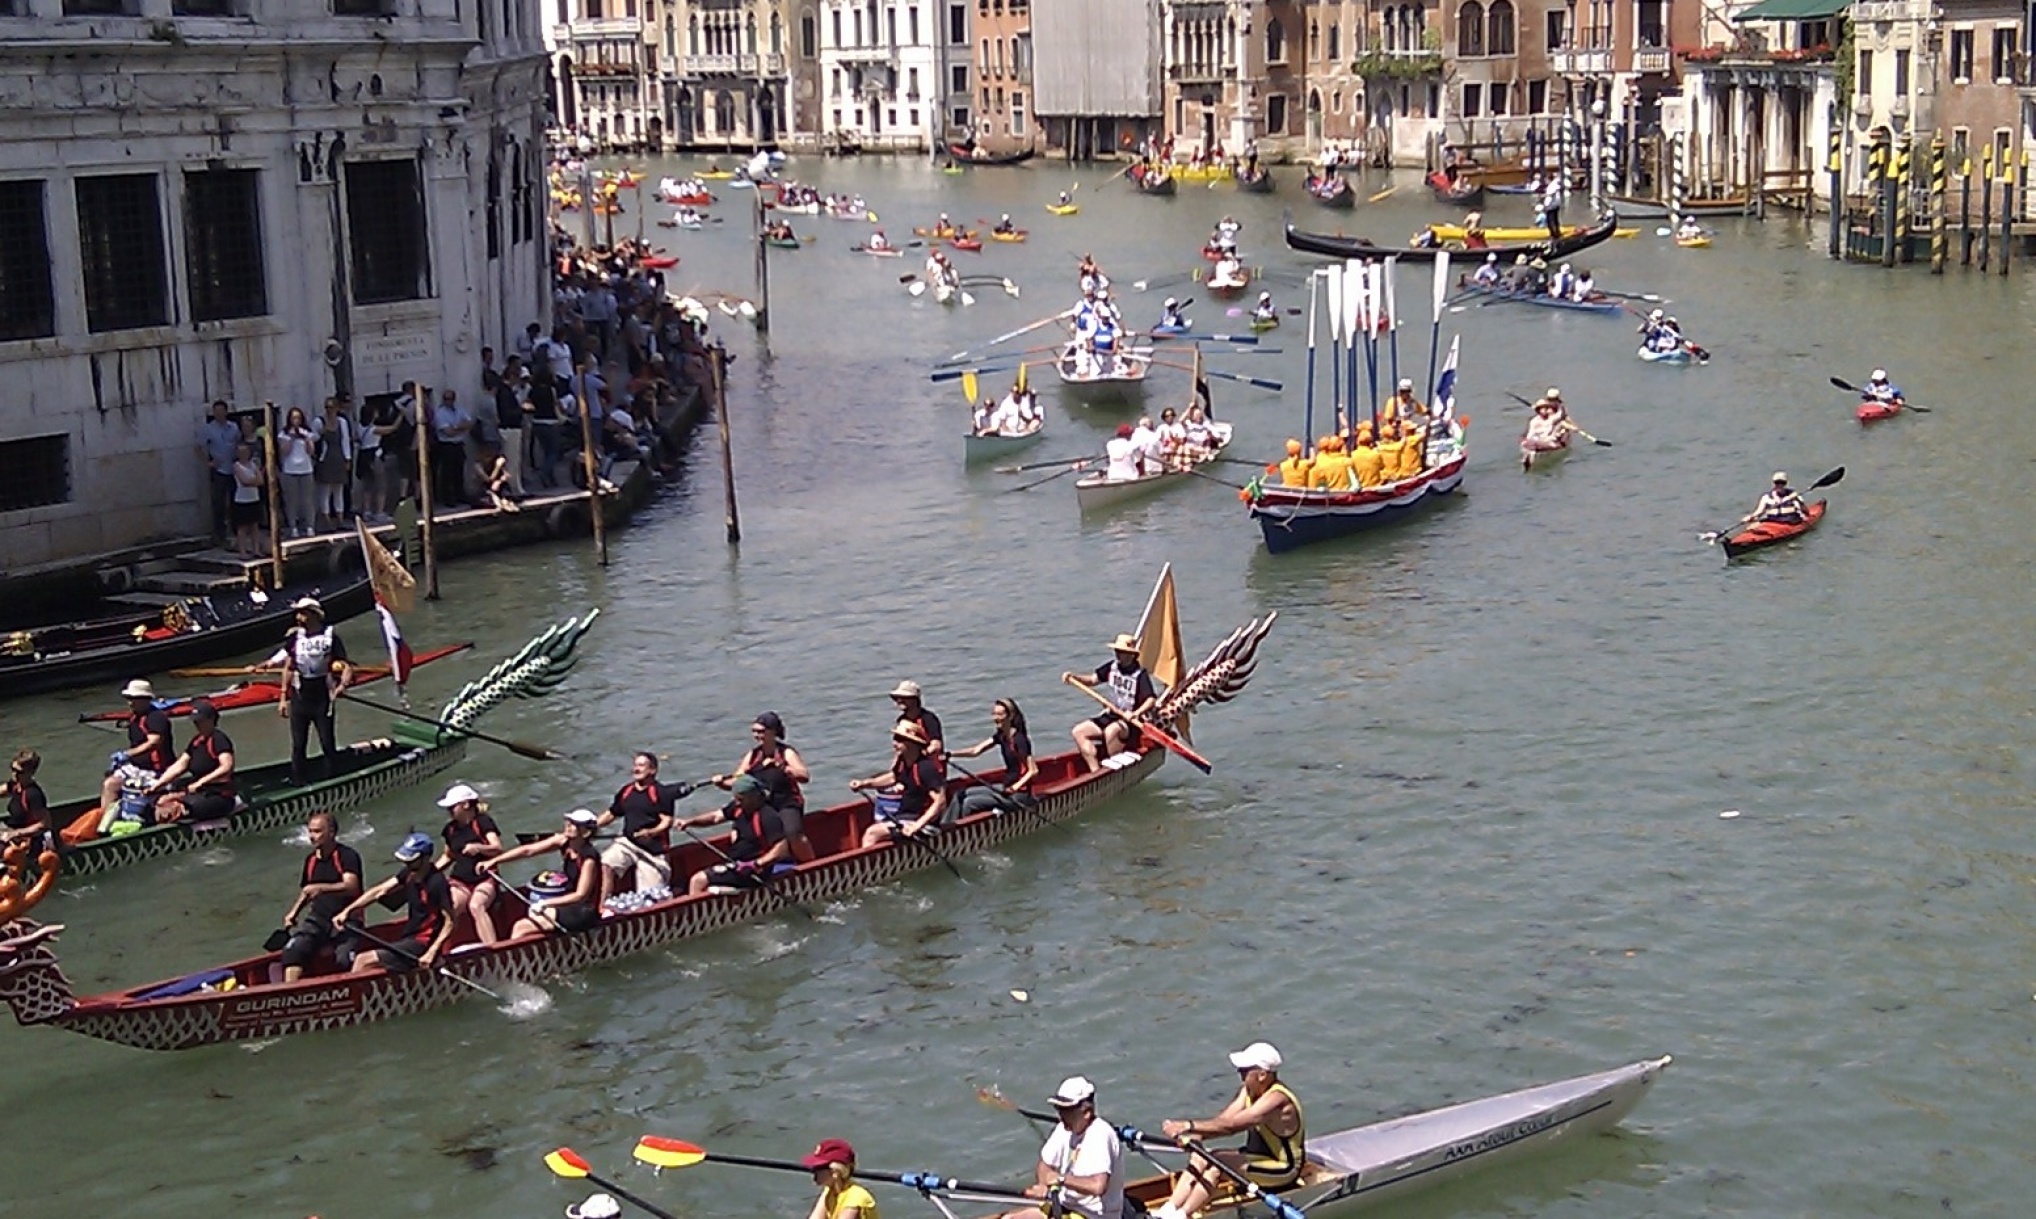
1197 74
1652 61
587 29
879 53
1572 62
731 65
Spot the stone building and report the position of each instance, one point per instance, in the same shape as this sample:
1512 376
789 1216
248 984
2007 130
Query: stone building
1003 70
603 70
1234 71
729 80
1762 96
893 76
247 201
1333 108
1983 83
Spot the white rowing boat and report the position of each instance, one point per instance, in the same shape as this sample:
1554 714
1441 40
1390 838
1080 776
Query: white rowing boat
1118 377
979 446
1097 492
1354 1169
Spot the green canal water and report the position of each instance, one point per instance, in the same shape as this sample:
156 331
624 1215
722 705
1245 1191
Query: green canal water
1464 832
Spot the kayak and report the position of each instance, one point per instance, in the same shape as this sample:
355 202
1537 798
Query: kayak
1767 533
1170 332
660 262
1675 355
1694 243
972 245
1015 235
1873 411
875 253
1541 453
1264 323
1063 209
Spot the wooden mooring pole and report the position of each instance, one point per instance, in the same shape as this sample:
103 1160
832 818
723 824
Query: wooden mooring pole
718 361
1836 167
427 542
1986 207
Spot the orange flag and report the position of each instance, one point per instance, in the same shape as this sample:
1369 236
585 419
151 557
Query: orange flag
1160 649
394 586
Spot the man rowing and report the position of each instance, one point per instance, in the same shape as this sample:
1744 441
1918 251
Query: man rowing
918 783
877 241
1879 389
1172 316
1552 398
1659 332
1131 693
150 749
1269 1116
571 900
1488 274
1081 1166
1124 459
762 842
1007 418
646 809
423 894
206 771
328 882
1562 284
1546 432
1782 504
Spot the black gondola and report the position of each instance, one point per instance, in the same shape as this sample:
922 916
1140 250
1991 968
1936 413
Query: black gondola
1462 192
1260 183
964 155
193 631
1358 247
1153 180
1331 191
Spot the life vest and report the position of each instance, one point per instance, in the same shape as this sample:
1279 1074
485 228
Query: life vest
1275 1151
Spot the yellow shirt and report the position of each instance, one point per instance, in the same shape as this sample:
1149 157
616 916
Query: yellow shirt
1294 472
1332 472
852 1197
1369 465
1410 456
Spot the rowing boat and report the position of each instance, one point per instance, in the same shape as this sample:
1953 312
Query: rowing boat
1359 247
979 446
1260 183
410 753
1096 492
1767 533
1700 242
1153 180
1120 379
1873 410
246 1000
783 243
152 637
1542 300
1542 454
1227 282
977 157
1331 191
1292 517
261 690
1461 192
1353 1170
883 253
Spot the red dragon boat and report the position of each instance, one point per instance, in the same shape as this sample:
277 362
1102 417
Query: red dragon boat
246 1000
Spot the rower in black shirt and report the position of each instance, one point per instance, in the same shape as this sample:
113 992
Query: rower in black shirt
206 771
1010 739
150 749
331 878
316 673
575 904
471 836
916 780
912 711
762 841
425 896
27 808
646 808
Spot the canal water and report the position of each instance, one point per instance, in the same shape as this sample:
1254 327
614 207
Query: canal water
1467 830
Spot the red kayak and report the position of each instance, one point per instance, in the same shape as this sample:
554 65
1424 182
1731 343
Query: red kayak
973 245
660 262
260 689
1767 533
1873 410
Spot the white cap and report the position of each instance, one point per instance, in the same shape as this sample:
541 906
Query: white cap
458 793
310 603
1781 476
1880 374
1074 1090
1406 383
1552 393
1259 1054
583 816
597 1206
137 689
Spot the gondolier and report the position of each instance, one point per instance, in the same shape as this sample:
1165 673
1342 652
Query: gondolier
1130 690
1081 1166
328 882
1267 1113
315 674
646 809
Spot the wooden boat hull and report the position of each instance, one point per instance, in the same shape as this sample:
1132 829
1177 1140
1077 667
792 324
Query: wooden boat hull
1339 196
1290 518
1457 233
1768 533
1351 1171
1164 187
1541 300
1095 493
1358 247
256 1009
1229 289
67 657
1262 184
1464 192
987 448
1125 387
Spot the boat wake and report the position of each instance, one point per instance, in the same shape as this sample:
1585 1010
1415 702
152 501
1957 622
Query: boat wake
524 1000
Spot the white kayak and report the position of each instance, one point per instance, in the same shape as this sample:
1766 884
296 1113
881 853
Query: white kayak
982 446
1674 355
1536 454
1096 492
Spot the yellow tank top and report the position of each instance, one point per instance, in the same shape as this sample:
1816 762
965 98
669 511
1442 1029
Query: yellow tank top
1332 472
1263 1143
852 1197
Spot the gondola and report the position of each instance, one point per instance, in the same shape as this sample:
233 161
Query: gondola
1152 180
1332 190
1260 183
1461 192
1358 247
975 156
193 631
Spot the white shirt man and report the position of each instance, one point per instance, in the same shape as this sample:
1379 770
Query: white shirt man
1123 454
1009 418
1083 1159
1145 439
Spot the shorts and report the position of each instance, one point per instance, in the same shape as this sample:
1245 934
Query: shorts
401 960
1272 1174
1107 720
573 919
208 806
724 876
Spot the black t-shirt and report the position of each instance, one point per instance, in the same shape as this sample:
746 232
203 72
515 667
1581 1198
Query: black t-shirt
574 862
26 805
203 753
427 899
329 867
141 727
641 807
543 400
761 830
919 780
508 411
1016 747
466 868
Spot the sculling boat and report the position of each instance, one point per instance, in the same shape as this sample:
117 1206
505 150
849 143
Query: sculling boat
1096 492
1358 247
978 446
410 753
1462 192
260 690
1352 1170
1114 378
1872 410
1541 300
1767 533
192 631
246 1000
1538 454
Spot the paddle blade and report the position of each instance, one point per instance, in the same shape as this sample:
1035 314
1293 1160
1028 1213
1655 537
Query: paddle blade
667 1153
989 1095
536 753
565 1162
1834 476
968 385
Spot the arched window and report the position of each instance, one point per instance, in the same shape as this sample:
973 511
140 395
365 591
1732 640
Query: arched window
809 35
1314 101
1499 39
777 35
693 34
1314 38
1335 41
1470 29
1275 41
749 34
671 38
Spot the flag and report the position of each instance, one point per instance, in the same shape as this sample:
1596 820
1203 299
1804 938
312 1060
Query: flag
1445 383
1159 639
400 657
394 586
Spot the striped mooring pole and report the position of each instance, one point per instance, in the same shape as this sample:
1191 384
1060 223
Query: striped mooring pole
1678 181
1939 239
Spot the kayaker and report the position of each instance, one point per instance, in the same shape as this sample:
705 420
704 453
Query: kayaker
574 903
1170 317
1265 310
1063 200
918 782
832 1164
1879 389
1081 1166
1130 689
1004 225
206 769
1267 1113
470 836
330 878
877 241
151 747
426 897
1689 229
1782 504
1488 273
762 841
1008 736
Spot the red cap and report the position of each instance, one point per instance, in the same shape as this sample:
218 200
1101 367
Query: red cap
1123 431
830 1151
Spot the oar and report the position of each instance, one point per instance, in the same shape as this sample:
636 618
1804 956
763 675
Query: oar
1042 465
1008 802
898 834
1649 297
662 1153
522 748
1008 335
1603 444
1192 758
944 375
245 670
440 970
1713 535
1841 384
567 1163
968 385
1040 482
1258 382
762 876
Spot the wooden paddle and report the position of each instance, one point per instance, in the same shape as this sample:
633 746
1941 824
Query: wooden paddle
536 753
1382 194
1713 535
1192 758
1006 800
664 1153
762 876
1041 465
567 1163
924 843
1857 389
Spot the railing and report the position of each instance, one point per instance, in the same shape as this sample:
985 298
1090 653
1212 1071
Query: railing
880 51
1579 63
1651 61
731 65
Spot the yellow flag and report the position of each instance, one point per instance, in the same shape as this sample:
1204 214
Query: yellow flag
394 586
1159 638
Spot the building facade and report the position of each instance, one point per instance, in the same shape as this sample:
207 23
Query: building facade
1097 68
604 79
1003 70
276 200
1333 107
893 76
729 79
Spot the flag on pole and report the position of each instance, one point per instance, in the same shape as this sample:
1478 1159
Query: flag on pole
1159 640
394 588
1445 382
401 659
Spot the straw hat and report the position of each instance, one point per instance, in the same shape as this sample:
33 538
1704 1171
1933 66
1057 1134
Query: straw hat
137 689
909 731
1124 643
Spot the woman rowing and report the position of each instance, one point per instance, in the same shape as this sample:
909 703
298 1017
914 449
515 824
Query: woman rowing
1199 439
773 763
575 904
471 836
1009 737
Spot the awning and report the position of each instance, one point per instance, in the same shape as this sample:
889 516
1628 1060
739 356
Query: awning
1792 10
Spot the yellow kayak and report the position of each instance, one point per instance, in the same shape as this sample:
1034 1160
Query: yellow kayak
1063 209
1454 232
1693 243
715 175
1013 236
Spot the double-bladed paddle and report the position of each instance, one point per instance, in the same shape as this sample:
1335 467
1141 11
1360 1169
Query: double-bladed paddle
1860 389
567 1163
1605 444
1711 536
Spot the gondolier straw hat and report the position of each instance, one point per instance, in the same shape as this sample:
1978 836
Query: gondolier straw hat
906 732
137 689
1259 1054
906 689
597 1206
1553 392
1124 643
